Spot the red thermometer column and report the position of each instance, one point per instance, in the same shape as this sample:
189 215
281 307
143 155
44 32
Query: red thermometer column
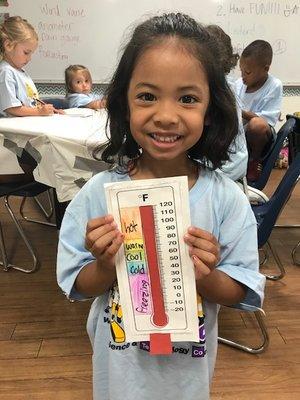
159 316
160 343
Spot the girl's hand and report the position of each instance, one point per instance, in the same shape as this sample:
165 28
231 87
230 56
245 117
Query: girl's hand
103 239
46 109
204 250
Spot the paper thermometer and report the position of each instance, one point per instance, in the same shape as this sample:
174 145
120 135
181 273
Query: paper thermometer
155 273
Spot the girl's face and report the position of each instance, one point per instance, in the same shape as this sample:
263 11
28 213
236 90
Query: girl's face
19 54
168 98
81 82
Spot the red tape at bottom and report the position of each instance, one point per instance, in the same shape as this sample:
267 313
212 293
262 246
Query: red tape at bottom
160 343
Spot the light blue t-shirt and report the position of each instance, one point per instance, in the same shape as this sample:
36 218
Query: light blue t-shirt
76 100
264 102
123 370
16 88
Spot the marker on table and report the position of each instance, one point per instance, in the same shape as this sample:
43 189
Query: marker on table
39 101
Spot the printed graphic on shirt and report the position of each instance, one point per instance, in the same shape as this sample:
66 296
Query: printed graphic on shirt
31 94
114 317
199 350
114 310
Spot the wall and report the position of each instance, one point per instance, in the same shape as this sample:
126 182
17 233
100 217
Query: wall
90 32
290 104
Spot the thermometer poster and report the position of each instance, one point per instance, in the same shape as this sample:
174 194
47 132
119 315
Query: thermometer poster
154 270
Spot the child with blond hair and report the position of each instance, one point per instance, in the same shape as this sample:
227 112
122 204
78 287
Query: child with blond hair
18 93
79 88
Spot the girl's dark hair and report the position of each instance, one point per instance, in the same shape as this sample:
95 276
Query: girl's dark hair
228 58
212 147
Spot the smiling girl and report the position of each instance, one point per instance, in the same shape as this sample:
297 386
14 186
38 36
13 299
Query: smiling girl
168 106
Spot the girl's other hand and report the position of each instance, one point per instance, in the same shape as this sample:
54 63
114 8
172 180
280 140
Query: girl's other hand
103 239
59 111
100 104
204 250
103 102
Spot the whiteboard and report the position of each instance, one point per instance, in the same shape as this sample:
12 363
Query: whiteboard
90 32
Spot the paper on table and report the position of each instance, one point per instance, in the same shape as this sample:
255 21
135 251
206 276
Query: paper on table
79 112
145 313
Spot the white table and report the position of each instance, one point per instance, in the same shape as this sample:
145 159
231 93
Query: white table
62 145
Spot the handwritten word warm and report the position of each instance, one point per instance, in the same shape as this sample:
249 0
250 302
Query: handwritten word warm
134 246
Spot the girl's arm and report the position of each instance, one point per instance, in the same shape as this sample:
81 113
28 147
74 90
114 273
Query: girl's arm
94 279
24 111
103 240
212 284
96 104
217 287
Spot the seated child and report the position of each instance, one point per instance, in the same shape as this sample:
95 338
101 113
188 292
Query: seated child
260 94
236 167
18 94
79 85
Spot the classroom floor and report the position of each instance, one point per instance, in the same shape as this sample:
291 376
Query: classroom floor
45 353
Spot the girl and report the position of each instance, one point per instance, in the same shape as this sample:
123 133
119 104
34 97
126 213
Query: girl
19 96
168 106
79 86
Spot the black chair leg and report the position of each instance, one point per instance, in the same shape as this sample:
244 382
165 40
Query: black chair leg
60 209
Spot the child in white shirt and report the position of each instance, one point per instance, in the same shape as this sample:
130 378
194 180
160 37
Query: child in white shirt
260 94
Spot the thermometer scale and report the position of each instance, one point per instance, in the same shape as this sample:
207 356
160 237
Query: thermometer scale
155 273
